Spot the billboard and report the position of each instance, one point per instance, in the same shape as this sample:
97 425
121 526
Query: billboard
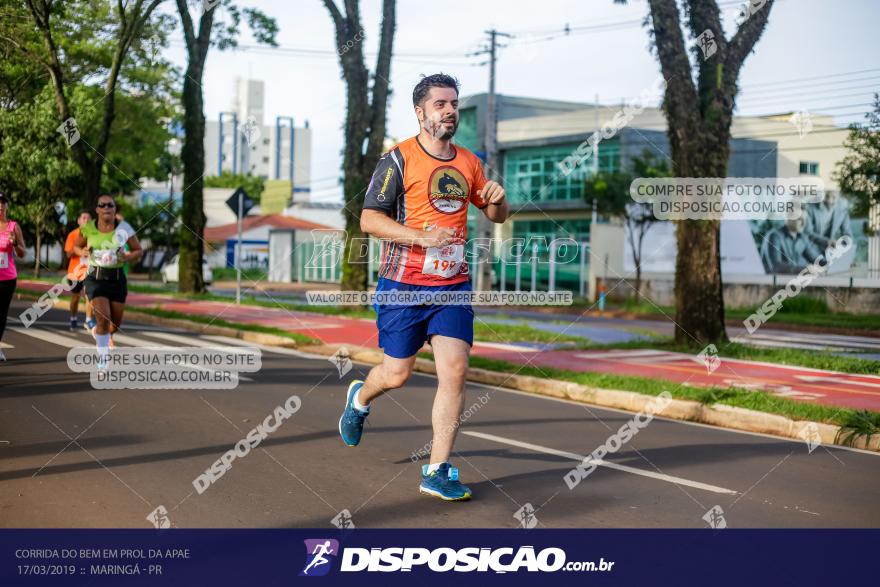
767 247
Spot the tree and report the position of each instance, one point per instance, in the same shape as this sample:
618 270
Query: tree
699 113
222 35
53 21
364 124
156 222
36 168
252 184
611 193
859 172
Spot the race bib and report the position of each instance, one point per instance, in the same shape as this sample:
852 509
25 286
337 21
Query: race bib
104 258
443 261
4 260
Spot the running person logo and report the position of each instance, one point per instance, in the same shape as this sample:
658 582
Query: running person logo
319 556
448 190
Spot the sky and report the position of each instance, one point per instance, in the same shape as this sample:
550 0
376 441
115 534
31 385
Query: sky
816 55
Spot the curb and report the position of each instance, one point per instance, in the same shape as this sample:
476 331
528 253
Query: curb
716 415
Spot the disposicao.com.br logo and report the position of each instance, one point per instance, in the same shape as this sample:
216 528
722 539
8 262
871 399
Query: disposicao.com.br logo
320 554
441 560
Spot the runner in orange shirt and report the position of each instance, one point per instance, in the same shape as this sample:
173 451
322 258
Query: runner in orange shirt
76 273
417 203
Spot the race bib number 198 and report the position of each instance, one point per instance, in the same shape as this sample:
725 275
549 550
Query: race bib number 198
443 261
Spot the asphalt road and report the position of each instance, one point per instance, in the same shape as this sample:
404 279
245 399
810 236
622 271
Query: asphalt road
74 456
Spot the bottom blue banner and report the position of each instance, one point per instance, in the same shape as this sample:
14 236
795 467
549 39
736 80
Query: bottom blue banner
559 557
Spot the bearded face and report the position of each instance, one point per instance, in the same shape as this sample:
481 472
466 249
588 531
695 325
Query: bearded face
442 126
438 114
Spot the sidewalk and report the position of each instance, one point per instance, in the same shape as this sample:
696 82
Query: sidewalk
798 383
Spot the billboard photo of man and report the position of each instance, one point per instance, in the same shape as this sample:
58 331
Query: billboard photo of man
787 249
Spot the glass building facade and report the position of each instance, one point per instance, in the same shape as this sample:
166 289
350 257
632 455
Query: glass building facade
532 174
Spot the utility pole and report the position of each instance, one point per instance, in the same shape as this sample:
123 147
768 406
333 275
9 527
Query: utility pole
484 225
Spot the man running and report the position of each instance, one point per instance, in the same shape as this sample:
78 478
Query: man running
76 273
102 241
417 204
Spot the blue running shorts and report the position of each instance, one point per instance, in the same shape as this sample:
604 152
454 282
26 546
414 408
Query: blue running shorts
403 329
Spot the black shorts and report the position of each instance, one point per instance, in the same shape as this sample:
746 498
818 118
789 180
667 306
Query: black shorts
115 290
77 287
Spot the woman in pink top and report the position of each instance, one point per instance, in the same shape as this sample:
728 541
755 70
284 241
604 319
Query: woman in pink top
11 241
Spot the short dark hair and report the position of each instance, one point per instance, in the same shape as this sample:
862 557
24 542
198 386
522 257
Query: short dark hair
437 80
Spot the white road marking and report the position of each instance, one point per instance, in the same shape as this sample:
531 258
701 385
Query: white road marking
580 458
187 340
506 347
819 378
848 342
790 345
191 341
69 341
133 341
265 348
646 357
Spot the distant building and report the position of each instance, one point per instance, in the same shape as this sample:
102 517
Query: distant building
240 141
255 239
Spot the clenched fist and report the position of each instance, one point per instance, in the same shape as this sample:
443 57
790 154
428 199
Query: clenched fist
492 193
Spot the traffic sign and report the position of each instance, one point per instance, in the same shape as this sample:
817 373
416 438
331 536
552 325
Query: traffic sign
246 202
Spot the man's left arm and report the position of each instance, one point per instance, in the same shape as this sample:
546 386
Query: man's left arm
497 209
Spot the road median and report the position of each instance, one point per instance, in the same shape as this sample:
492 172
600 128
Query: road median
717 414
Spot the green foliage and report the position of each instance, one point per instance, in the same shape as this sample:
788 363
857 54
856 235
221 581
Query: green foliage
86 32
155 222
252 184
859 172
36 167
804 304
227 28
860 424
611 189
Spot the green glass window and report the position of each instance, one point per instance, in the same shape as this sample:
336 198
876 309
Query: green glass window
466 135
533 173
575 228
809 168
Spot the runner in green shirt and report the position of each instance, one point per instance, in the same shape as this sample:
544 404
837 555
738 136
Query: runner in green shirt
103 241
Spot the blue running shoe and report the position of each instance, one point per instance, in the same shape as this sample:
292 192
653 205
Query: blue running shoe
443 483
351 424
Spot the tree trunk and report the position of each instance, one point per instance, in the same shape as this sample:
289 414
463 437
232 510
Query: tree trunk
364 123
355 266
637 295
699 302
192 211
